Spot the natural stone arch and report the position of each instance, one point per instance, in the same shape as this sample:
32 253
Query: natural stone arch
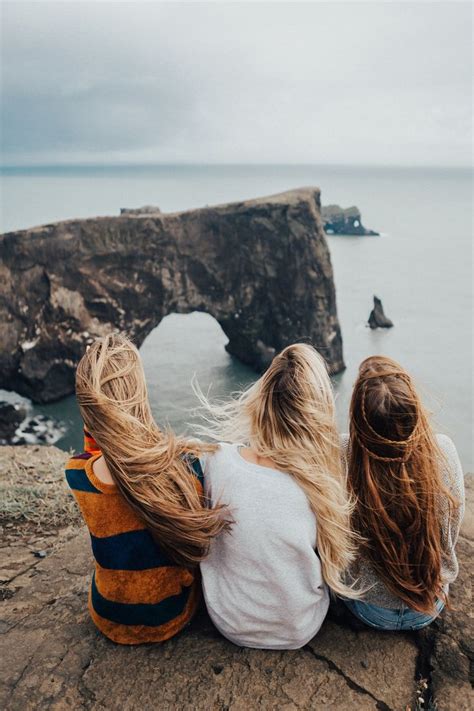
261 268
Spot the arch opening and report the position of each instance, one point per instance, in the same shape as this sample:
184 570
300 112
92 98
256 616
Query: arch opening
180 347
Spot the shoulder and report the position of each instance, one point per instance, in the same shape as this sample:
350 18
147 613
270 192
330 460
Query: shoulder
447 445
451 467
78 461
210 460
448 448
77 475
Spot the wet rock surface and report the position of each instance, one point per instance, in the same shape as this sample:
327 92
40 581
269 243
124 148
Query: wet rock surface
53 658
11 416
262 268
19 426
343 221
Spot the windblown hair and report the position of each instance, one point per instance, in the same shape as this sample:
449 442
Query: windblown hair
149 467
395 467
288 416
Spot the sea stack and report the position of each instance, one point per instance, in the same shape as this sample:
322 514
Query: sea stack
377 318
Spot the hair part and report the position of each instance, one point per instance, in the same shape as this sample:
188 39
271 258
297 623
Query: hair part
395 475
149 467
288 416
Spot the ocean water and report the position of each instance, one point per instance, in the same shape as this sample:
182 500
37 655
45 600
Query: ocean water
421 267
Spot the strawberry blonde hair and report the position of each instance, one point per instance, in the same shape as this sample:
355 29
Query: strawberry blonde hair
288 416
395 474
150 468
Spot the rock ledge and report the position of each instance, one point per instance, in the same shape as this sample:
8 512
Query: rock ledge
53 658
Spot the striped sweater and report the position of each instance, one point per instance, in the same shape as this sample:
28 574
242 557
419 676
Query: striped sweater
137 594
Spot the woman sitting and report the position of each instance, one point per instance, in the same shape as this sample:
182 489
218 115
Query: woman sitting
278 469
409 487
140 492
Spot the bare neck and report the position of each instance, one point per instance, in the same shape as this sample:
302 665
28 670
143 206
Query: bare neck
251 455
102 471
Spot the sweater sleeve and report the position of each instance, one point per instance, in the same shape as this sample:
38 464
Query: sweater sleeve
344 442
453 479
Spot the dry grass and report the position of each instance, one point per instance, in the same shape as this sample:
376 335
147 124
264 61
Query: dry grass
33 490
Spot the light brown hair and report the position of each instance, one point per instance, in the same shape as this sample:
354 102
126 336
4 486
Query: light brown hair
148 466
288 417
395 474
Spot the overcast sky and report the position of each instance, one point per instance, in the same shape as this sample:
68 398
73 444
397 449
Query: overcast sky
375 82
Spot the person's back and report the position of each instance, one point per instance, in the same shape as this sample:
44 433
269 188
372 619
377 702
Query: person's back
377 592
263 583
266 583
410 501
138 594
140 492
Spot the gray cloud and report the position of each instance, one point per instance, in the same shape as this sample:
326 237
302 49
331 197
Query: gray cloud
260 82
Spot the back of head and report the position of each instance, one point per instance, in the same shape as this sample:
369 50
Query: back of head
288 416
395 474
292 403
111 390
149 467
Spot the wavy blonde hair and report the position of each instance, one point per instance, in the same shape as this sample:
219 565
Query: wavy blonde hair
288 416
150 468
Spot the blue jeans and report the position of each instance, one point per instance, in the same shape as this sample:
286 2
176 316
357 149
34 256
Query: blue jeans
385 619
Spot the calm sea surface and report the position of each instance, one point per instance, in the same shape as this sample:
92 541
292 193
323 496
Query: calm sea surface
421 267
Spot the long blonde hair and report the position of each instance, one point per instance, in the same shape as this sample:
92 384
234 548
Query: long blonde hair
150 468
288 416
395 469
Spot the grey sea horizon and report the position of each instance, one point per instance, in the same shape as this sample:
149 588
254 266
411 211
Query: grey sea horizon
421 267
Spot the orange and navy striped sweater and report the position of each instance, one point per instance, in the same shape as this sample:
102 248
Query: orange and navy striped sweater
137 594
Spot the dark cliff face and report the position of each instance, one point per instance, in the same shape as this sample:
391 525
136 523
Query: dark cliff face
261 268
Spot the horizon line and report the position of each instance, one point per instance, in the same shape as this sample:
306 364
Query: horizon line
194 164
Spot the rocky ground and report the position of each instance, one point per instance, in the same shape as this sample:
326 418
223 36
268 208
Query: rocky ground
53 658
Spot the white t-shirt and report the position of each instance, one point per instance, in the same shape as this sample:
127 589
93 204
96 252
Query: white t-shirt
262 582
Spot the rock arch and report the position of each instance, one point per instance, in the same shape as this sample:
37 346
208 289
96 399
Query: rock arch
260 267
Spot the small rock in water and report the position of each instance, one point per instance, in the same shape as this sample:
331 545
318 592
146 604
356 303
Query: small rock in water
377 318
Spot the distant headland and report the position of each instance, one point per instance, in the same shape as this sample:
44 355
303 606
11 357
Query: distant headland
340 221
336 220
